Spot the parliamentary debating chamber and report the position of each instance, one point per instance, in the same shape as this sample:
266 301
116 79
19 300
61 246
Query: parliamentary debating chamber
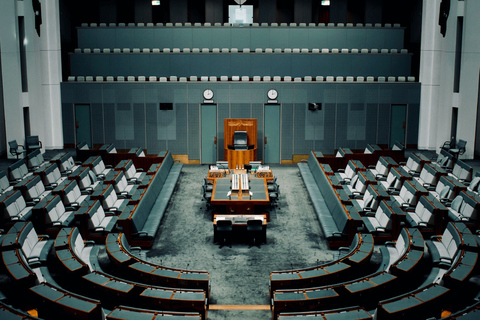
239 159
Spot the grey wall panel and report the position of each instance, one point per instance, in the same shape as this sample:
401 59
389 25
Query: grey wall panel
260 65
68 122
223 112
193 130
383 136
240 110
330 113
303 142
163 38
257 112
153 145
372 121
201 38
298 38
180 144
260 38
182 38
250 64
413 123
221 38
144 38
105 38
287 131
222 65
240 64
302 130
336 38
181 63
240 37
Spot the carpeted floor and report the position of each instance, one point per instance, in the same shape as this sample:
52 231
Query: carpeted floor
240 274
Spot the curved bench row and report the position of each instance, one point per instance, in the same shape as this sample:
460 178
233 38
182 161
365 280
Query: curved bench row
244 50
79 263
346 267
134 268
398 263
360 79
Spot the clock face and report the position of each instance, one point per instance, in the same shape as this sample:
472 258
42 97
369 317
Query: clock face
272 94
208 94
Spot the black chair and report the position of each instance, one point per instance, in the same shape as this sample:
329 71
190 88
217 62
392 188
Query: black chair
447 145
224 232
16 149
273 195
208 187
33 143
254 231
240 140
459 149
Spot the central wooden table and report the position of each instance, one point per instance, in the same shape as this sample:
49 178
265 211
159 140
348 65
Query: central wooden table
240 201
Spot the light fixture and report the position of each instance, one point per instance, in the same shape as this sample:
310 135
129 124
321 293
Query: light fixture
155 2
325 2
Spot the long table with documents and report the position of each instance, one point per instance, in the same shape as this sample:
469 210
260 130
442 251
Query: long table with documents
240 196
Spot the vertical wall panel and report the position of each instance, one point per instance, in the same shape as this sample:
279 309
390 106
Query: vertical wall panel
302 130
194 131
223 112
286 131
179 144
383 123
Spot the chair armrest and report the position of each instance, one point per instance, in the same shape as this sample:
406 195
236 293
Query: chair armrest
141 169
142 234
390 244
30 203
380 229
304 160
43 237
337 234
393 191
89 242
135 249
436 238
341 170
344 249
70 208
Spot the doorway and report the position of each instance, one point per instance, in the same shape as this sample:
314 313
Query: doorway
271 130
208 125
83 124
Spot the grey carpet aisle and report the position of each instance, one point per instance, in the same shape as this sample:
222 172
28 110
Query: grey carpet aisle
239 275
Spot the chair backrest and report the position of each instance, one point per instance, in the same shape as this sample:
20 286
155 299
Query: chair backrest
4 183
240 140
96 215
32 141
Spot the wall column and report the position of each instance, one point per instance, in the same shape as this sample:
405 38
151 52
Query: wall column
430 66
51 70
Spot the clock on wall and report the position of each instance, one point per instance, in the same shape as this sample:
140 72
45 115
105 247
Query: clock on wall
272 94
208 94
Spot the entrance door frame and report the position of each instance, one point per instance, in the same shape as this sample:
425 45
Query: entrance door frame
279 130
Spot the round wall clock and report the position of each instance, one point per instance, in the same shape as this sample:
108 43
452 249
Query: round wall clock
272 94
208 94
